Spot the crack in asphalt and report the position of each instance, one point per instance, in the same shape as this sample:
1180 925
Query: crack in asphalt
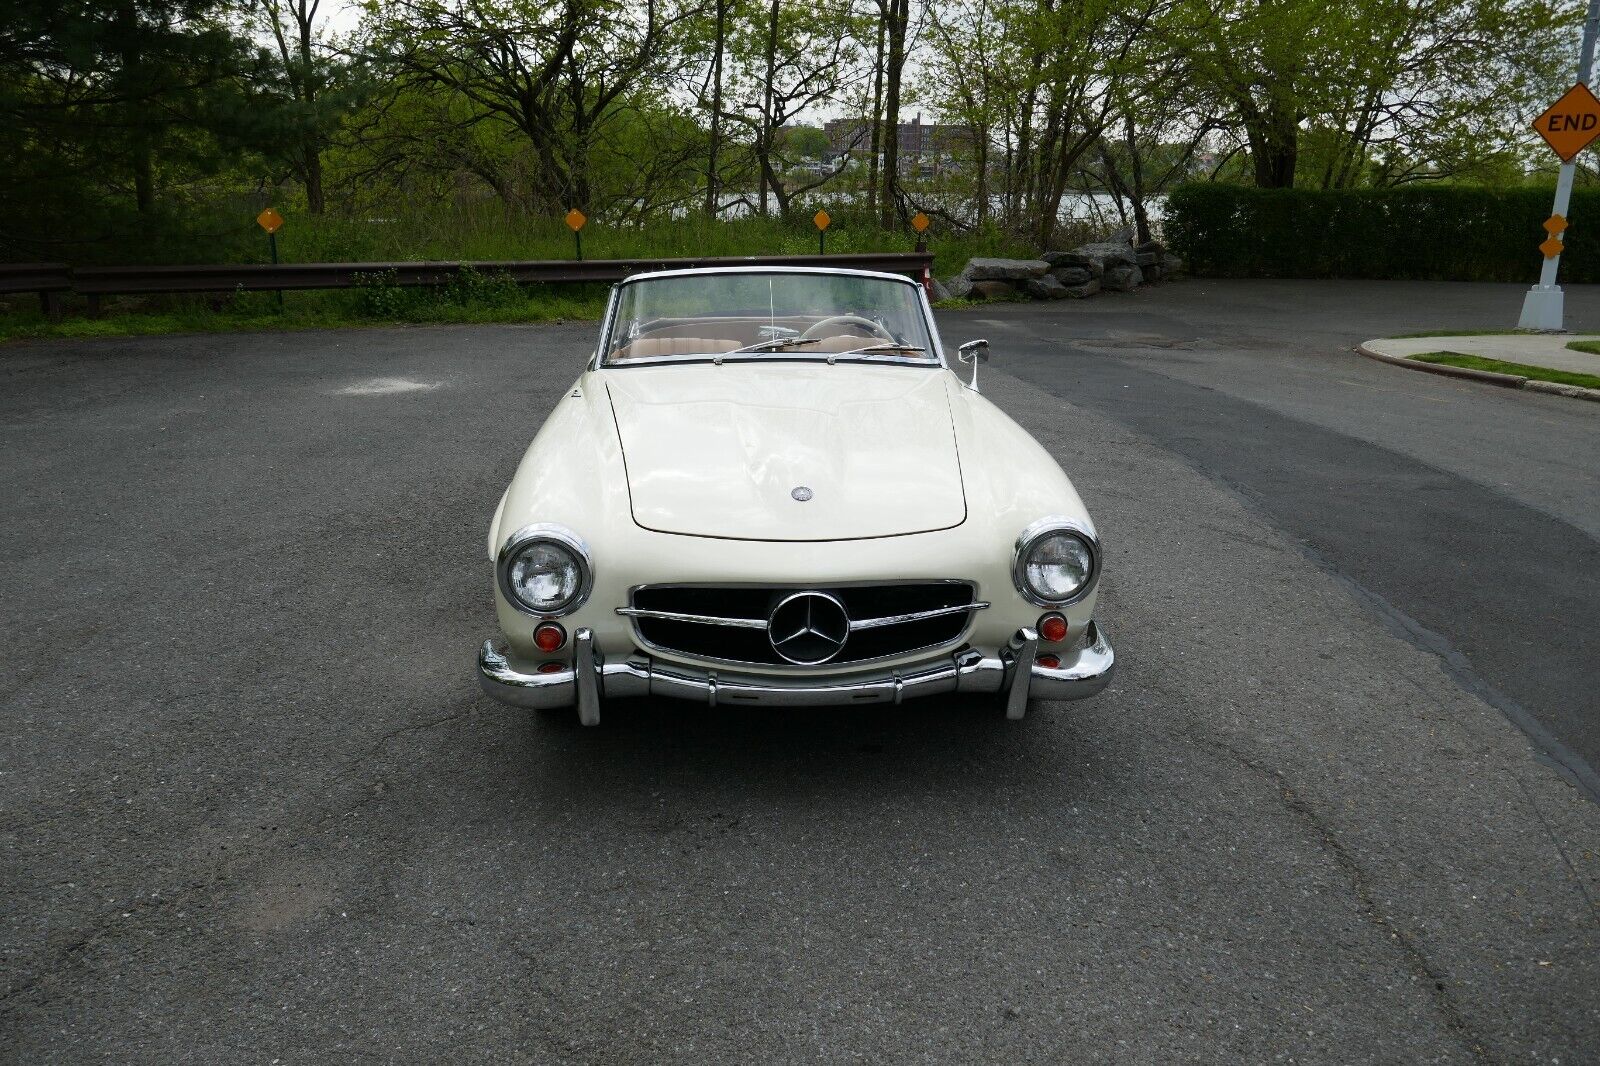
141 913
1419 963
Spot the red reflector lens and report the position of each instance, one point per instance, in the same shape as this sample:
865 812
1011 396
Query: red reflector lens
1049 662
1053 627
552 668
549 636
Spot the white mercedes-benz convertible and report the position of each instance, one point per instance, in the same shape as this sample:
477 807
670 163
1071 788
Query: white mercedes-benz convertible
770 487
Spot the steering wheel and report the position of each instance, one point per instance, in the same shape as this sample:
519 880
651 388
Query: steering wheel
848 320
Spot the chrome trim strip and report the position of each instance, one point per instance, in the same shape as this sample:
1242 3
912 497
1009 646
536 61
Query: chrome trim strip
761 623
917 616
702 619
967 670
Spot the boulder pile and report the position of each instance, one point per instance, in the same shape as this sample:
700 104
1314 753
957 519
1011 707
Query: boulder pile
1110 266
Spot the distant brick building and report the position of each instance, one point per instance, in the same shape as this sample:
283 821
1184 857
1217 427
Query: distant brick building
929 146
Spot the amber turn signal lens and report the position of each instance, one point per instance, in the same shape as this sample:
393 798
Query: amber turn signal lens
1052 627
1049 662
552 668
549 637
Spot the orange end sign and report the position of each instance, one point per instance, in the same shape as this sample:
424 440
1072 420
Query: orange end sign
1571 123
269 220
919 221
822 219
576 219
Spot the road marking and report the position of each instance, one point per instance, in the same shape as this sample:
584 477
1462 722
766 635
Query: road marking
386 387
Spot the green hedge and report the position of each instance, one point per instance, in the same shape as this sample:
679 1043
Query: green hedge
1446 233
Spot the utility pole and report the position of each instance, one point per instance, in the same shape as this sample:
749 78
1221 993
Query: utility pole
1544 304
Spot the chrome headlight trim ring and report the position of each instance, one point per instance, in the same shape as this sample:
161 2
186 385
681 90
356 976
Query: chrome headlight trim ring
1030 537
554 534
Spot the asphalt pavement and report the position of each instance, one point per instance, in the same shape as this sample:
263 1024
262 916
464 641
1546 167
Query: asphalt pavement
1338 805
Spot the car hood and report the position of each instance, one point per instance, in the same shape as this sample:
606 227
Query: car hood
723 451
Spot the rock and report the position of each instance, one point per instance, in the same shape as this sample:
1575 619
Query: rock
1151 274
1171 265
992 289
1072 275
1150 246
959 287
1045 288
1063 260
1121 278
1109 253
1146 259
1005 269
937 290
1088 288
1120 236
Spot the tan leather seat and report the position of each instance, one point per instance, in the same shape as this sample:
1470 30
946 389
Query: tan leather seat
647 347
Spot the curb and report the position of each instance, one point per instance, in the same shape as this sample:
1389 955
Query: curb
1488 377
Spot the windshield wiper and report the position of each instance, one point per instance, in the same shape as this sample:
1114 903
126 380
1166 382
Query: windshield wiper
776 344
881 348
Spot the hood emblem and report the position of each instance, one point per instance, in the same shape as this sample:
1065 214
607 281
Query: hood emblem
808 628
801 493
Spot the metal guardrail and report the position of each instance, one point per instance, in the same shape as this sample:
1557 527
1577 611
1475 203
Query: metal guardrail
51 279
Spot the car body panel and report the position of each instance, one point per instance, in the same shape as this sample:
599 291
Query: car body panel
719 450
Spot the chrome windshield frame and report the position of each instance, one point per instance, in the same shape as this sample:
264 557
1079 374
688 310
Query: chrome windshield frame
936 355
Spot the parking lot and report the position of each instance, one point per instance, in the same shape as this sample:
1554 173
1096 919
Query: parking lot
1339 804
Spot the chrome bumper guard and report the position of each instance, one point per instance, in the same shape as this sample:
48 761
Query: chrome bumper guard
591 677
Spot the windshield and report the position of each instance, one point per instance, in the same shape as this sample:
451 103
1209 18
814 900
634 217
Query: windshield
759 315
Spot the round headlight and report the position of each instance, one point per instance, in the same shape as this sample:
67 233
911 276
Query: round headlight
544 570
1055 565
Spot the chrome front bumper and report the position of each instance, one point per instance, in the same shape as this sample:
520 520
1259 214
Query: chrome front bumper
591 677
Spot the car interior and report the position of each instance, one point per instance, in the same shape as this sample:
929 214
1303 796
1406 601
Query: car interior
718 335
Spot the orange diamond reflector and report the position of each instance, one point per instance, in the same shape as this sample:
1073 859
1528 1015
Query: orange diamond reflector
1551 247
919 221
1555 224
821 219
269 220
576 219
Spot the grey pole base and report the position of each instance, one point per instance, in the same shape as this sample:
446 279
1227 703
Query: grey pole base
1542 308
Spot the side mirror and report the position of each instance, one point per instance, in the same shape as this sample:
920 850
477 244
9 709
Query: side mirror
974 352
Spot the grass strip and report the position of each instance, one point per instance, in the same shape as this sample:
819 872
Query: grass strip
1499 366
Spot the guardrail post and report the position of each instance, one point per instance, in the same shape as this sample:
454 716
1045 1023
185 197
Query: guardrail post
94 304
50 303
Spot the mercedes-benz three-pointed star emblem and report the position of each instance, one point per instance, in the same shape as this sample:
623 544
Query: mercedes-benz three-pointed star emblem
808 628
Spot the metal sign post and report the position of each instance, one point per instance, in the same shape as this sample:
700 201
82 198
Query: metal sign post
271 221
1544 305
576 219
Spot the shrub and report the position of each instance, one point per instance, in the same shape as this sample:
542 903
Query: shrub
378 295
1444 233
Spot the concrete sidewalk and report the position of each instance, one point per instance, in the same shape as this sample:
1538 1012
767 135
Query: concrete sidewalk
1547 350
1533 349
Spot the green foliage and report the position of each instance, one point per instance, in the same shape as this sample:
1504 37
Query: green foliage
378 296
1448 233
1500 366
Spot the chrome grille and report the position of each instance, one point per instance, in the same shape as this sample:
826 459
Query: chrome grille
731 623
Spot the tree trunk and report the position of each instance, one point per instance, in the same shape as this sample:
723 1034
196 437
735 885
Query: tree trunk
313 176
877 124
767 132
1141 218
900 12
716 109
